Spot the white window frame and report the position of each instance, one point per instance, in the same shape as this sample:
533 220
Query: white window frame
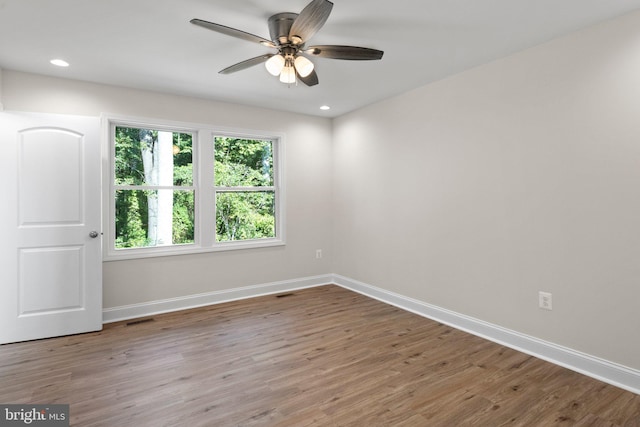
203 183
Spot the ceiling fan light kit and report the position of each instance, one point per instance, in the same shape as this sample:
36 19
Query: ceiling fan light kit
288 74
289 33
303 66
275 64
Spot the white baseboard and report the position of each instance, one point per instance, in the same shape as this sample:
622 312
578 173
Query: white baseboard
151 308
603 370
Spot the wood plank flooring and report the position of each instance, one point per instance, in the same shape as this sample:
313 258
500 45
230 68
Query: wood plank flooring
317 357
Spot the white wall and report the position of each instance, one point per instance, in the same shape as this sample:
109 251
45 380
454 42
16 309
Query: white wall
521 175
308 158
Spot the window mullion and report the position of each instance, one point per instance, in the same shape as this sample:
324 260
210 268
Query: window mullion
154 187
243 189
206 207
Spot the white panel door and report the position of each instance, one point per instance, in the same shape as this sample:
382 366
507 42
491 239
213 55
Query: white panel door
50 221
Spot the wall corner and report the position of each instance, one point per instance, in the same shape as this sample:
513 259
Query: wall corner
1 84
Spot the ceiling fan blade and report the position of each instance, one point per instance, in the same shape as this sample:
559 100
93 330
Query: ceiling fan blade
345 52
310 20
232 32
310 80
246 64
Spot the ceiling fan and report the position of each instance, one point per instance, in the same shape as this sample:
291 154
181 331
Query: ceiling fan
289 34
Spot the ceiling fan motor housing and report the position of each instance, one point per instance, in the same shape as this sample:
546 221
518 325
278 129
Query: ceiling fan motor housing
280 26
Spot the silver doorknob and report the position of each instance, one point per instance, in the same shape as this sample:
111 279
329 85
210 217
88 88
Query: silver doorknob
93 234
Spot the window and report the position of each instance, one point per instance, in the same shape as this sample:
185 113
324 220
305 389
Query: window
245 194
154 192
177 189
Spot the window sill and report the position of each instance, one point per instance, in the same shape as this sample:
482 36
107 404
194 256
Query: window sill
127 254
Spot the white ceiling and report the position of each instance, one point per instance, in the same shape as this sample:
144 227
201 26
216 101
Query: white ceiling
150 44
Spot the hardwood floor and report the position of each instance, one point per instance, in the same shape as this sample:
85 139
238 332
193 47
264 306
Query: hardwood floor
317 357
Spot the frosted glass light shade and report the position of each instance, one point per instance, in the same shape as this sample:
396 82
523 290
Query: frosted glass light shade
288 75
304 67
275 64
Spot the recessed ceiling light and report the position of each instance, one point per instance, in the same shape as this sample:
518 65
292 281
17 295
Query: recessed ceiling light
59 62
325 107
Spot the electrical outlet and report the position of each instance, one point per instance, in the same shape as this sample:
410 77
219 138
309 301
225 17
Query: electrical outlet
318 253
545 300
